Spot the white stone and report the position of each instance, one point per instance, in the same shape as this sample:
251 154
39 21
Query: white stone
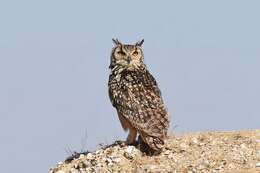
195 141
89 156
130 149
167 152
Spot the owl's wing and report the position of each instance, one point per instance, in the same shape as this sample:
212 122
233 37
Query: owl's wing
142 105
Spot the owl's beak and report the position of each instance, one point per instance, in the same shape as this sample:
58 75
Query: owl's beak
128 60
129 63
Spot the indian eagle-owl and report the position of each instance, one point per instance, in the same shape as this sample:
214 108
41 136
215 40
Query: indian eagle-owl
136 96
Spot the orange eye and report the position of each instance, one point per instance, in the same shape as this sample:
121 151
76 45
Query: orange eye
121 53
135 53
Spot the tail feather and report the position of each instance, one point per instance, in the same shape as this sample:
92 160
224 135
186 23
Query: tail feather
155 142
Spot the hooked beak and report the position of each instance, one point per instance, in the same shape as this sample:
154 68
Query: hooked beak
131 65
128 60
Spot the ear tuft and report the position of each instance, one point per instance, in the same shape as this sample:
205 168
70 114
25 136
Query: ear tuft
116 42
139 43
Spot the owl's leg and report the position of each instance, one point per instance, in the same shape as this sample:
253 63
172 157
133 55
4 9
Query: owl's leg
131 136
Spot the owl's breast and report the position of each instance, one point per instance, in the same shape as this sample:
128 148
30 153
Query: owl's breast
134 88
122 86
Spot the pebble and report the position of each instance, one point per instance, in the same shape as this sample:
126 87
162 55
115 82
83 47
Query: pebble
87 163
129 152
167 152
116 159
128 155
89 156
184 146
130 149
195 141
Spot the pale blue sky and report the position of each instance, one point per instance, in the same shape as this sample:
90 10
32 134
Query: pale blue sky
54 57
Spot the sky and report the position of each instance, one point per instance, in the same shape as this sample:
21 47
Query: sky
54 57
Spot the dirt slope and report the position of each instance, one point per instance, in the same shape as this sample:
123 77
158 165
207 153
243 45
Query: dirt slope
237 151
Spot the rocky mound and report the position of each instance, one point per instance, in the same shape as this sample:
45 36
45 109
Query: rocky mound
191 153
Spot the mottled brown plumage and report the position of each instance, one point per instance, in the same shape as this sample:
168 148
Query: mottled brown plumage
134 93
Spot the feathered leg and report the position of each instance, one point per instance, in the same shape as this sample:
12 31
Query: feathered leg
131 136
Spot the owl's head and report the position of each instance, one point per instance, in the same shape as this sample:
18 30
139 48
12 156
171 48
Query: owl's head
127 56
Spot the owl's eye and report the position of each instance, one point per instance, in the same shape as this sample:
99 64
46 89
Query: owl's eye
135 53
121 53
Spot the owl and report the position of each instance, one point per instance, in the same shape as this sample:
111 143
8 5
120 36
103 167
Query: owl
136 96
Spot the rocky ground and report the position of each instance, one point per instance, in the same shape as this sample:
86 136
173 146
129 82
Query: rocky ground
208 152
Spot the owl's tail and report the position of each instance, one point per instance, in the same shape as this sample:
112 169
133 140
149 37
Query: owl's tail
155 143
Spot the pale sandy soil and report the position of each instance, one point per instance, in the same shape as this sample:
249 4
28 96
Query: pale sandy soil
229 152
